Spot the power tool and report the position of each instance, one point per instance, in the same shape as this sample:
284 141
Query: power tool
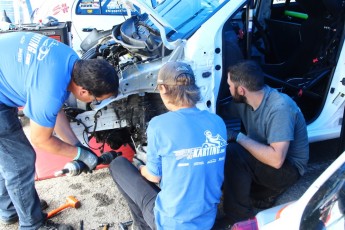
76 167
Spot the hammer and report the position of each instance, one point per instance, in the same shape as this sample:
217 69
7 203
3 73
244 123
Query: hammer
71 202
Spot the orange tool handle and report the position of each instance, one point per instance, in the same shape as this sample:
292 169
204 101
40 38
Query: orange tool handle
56 211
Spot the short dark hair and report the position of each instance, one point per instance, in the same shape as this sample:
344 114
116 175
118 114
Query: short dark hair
247 73
96 76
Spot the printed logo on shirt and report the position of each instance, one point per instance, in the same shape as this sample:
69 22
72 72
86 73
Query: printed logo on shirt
33 48
45 48
213 145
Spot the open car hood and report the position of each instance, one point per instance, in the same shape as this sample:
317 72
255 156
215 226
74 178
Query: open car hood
146 8
155 18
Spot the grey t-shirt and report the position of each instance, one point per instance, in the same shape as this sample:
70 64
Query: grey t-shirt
277 119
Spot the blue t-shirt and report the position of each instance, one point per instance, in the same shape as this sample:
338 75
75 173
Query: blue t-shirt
35 72
186 148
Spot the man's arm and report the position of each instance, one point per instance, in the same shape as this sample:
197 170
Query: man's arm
272 155
64 130
42 138
145 173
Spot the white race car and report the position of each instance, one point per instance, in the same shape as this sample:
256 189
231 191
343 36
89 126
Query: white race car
322 206
299 44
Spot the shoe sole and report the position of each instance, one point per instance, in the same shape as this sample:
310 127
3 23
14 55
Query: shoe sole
10 222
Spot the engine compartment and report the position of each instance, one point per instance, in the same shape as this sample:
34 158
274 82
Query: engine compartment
136 53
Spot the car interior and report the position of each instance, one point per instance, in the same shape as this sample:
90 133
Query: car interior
295 42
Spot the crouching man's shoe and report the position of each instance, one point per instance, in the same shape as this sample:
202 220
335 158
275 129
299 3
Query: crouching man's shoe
264 203
50 225
13 220
10 221
44 204
222 223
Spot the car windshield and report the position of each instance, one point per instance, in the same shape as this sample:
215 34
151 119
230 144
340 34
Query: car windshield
186 16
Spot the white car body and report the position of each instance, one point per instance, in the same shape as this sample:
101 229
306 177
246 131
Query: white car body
320 207
198 33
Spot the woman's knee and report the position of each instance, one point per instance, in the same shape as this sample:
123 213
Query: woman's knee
118 166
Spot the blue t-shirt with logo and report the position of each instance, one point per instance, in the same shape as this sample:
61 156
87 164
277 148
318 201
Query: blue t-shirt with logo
187 148
35 72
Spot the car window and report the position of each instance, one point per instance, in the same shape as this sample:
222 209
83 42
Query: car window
326 208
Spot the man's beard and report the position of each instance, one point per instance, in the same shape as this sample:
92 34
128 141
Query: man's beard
239 98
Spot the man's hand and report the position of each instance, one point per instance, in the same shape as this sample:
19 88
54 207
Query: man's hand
137 163
87 157
232 135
